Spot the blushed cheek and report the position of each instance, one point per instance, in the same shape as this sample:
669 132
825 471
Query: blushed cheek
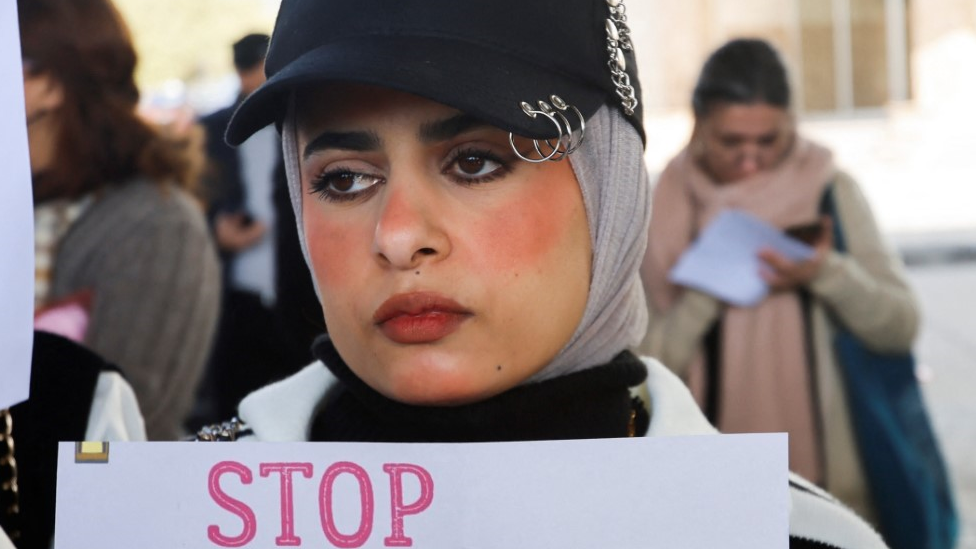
330 247
531 231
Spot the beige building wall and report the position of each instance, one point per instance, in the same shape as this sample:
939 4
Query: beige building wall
899 111
670 39
189 39
943 56
674 39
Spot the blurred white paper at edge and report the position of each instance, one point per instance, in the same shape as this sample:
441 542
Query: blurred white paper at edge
16 215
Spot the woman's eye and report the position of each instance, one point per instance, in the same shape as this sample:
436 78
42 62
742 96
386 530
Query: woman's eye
341 185
476 166
731 142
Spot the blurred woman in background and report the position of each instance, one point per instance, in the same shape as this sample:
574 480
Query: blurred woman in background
117 233
771 367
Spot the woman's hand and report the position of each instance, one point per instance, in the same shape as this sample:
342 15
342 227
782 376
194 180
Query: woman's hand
782 274
236 232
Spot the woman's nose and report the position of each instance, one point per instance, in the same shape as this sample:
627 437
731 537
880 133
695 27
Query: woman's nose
749 161
409 232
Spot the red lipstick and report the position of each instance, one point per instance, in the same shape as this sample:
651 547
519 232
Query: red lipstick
419 317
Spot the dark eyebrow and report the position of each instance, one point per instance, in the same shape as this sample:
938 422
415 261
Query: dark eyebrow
442 130
350 141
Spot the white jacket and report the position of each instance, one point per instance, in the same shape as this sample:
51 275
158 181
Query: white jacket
114 413
283 411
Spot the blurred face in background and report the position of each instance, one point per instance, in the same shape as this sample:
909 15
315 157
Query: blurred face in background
449 270
734 141
251 78
43 95
81 97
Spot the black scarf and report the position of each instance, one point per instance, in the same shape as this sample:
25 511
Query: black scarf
592 403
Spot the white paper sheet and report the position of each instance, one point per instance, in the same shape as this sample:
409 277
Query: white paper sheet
675 492
724 260
16 221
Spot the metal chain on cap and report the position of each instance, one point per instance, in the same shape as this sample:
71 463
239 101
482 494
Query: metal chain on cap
618 41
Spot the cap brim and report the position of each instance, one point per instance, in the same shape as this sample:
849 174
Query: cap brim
478 81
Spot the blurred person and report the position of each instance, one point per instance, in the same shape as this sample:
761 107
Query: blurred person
771 367
474 247
115 226
268 319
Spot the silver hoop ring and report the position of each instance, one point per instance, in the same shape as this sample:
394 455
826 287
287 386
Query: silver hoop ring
572 144
566 138
535 142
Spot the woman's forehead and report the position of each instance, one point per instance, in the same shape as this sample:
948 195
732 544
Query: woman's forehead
748 117
345 102
347 107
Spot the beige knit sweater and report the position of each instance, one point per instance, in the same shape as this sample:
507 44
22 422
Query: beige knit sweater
144 251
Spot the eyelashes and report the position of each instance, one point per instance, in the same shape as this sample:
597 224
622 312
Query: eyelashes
471 166
466 166
343 185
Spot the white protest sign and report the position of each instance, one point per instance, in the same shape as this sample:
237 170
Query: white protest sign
16 221
682 492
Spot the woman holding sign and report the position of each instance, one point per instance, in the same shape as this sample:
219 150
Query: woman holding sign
472 200
771 367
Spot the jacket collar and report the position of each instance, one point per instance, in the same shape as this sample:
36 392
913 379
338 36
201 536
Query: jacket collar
283 411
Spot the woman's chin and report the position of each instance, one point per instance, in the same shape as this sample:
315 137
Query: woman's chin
427 384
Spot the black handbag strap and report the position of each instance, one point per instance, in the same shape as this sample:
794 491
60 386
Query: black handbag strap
828 206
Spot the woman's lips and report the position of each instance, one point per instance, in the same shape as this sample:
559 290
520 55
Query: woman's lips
419 317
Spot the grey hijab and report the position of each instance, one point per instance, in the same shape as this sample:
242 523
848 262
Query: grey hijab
615 187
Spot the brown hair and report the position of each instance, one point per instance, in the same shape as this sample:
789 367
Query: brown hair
743 71
86 47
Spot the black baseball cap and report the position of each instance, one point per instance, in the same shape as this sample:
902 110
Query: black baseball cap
483 57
